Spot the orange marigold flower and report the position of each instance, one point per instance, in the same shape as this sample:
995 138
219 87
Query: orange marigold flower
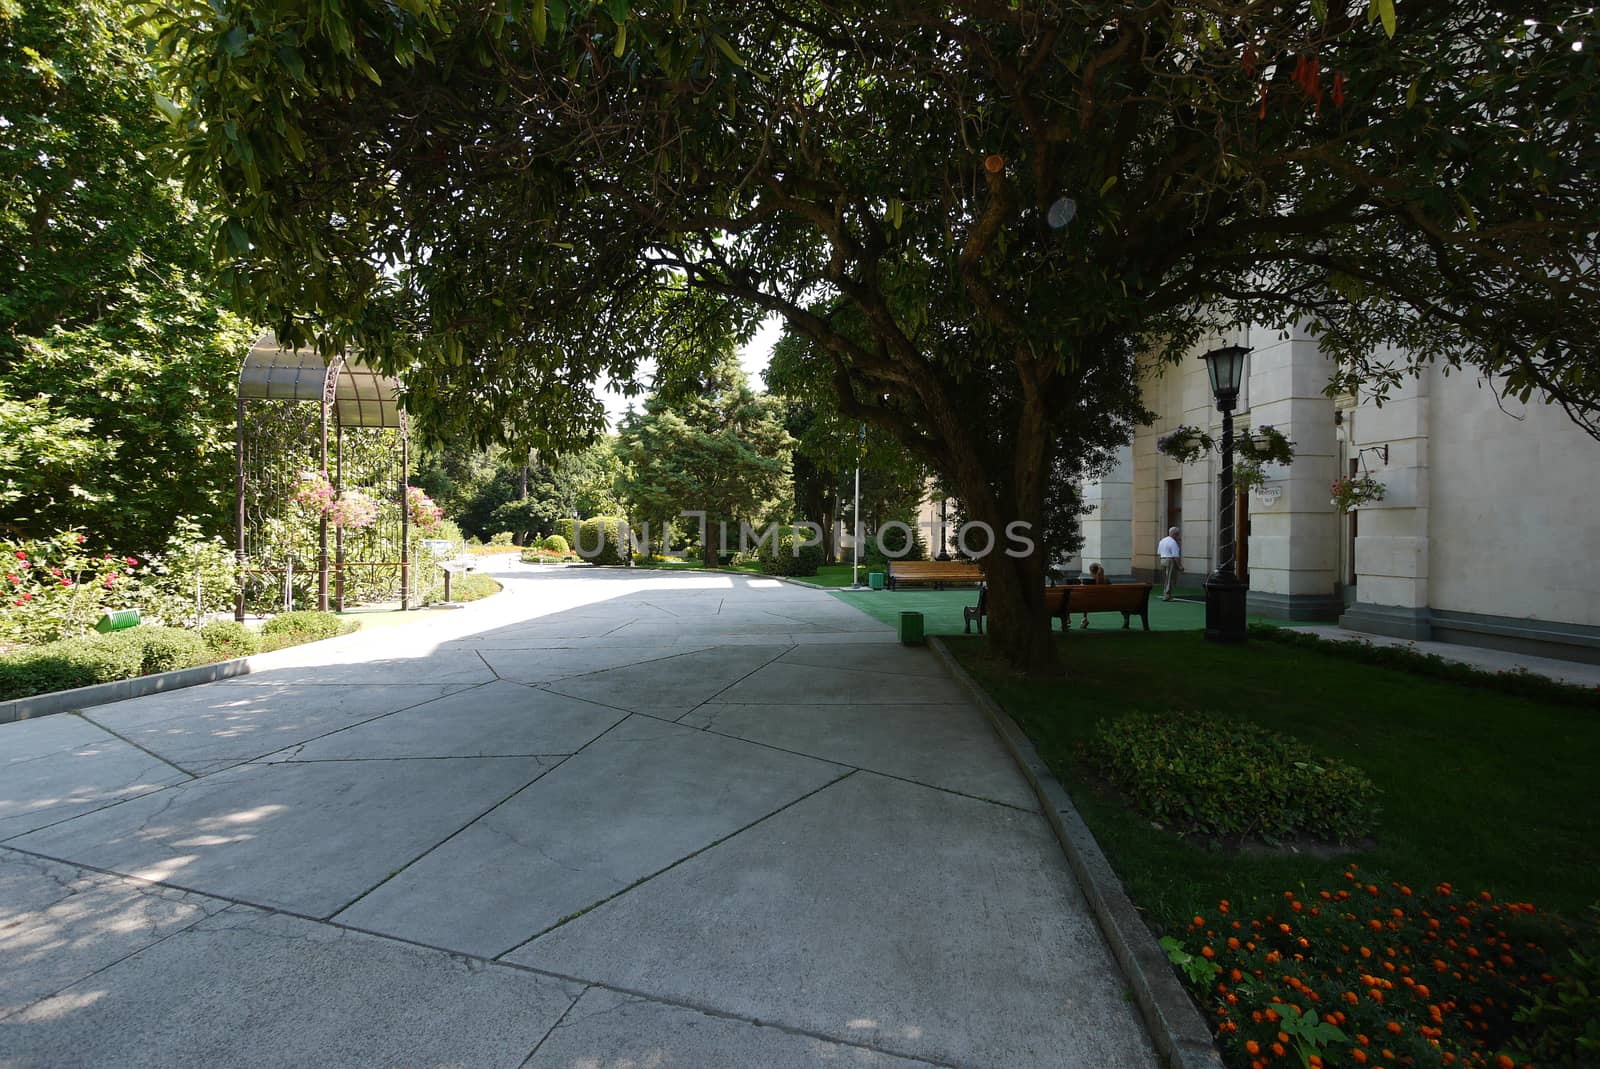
1394 1026
1207 952
1252 1047
1358 1056
1198 922
1277 1048
1233 942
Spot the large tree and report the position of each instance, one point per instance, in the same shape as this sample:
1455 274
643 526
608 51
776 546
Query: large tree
111 335
705 443
1011 198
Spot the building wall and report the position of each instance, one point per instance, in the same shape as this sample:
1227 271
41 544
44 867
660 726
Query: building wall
1489 531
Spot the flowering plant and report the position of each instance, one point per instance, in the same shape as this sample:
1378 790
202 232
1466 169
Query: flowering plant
353 511
1352 491
54 588
1367 976
1256 449
424 513
1184 444
313 492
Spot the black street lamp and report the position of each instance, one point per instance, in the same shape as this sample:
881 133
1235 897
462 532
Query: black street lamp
944 554
1225 617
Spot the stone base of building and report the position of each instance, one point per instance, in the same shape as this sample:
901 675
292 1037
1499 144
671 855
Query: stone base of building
1390 620
1298 607
1538 638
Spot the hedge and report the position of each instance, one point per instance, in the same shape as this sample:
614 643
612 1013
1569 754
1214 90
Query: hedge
229 639
600 540
306 625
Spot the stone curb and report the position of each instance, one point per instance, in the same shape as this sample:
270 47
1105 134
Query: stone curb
63 701
1175 1025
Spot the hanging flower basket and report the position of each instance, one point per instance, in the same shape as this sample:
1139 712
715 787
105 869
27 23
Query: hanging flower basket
424 513
1184 444
313 492
1350 492
353 511
1256 449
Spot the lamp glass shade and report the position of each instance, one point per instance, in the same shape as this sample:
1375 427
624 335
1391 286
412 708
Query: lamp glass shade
1225 366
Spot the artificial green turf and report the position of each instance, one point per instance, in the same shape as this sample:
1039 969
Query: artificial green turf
1483 790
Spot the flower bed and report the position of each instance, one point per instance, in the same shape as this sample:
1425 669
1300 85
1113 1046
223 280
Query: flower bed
1368 975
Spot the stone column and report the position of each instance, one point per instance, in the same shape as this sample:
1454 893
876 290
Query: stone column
1294 547
1392 553
1108 530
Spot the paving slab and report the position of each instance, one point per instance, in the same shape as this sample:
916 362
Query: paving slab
363 666
946 746
60 923
205 729
610 1030
670 687
249 990
882 913
783 682
60 766
642 797
494 720
546 665
303 837
881 658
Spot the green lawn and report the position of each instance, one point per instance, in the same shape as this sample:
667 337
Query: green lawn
1483 790
827 575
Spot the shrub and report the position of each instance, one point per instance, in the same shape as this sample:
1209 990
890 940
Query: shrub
162 649
469 587
67 663
1560 1027
1368 975
894 543
566 529
305 625
188 565
503 538
555 544
600 540
1230 779
56 588
789 555
229 639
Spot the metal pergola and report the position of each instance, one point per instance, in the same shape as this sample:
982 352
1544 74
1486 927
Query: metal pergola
350 394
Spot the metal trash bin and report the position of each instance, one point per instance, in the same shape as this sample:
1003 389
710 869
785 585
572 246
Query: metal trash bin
911 628
875 580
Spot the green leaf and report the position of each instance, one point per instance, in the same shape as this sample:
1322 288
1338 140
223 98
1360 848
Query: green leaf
167 108
1386 14
1105 186
727 49
537 23
622 40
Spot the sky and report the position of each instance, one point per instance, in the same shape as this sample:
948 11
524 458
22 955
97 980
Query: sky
753 357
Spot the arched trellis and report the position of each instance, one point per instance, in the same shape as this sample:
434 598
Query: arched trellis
349 394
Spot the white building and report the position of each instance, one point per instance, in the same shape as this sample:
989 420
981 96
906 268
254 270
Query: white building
1488 533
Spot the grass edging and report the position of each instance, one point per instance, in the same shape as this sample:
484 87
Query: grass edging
1179 1032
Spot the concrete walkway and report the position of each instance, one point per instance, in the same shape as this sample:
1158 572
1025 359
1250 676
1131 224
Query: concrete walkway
1576 673
603 820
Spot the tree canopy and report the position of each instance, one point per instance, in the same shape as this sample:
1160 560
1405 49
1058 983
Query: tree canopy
117 358
705 444
999 203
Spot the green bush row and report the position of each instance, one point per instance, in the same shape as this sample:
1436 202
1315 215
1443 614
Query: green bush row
469 587
1518 682
141 651
1228 779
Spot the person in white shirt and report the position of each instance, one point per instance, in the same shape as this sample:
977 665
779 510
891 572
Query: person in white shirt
1171 555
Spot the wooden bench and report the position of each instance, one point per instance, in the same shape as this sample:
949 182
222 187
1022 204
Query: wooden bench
1063 602
937 572
1055 603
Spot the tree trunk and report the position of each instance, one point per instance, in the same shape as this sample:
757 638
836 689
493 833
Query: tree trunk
709 555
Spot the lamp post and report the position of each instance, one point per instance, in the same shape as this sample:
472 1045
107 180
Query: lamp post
1224 593
855 541
944 522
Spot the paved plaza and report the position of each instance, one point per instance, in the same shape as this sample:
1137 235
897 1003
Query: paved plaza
605 820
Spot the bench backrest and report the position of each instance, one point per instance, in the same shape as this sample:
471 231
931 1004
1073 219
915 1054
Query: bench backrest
1106 596
934 569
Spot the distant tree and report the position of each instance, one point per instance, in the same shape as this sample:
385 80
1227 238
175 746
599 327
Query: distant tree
706 443
109 330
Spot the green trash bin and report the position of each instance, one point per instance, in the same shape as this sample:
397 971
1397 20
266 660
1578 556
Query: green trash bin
875 580
117 620
911 628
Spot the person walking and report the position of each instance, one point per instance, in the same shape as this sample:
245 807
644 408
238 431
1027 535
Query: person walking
1171 554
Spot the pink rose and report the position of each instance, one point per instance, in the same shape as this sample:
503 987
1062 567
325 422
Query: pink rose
131 562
